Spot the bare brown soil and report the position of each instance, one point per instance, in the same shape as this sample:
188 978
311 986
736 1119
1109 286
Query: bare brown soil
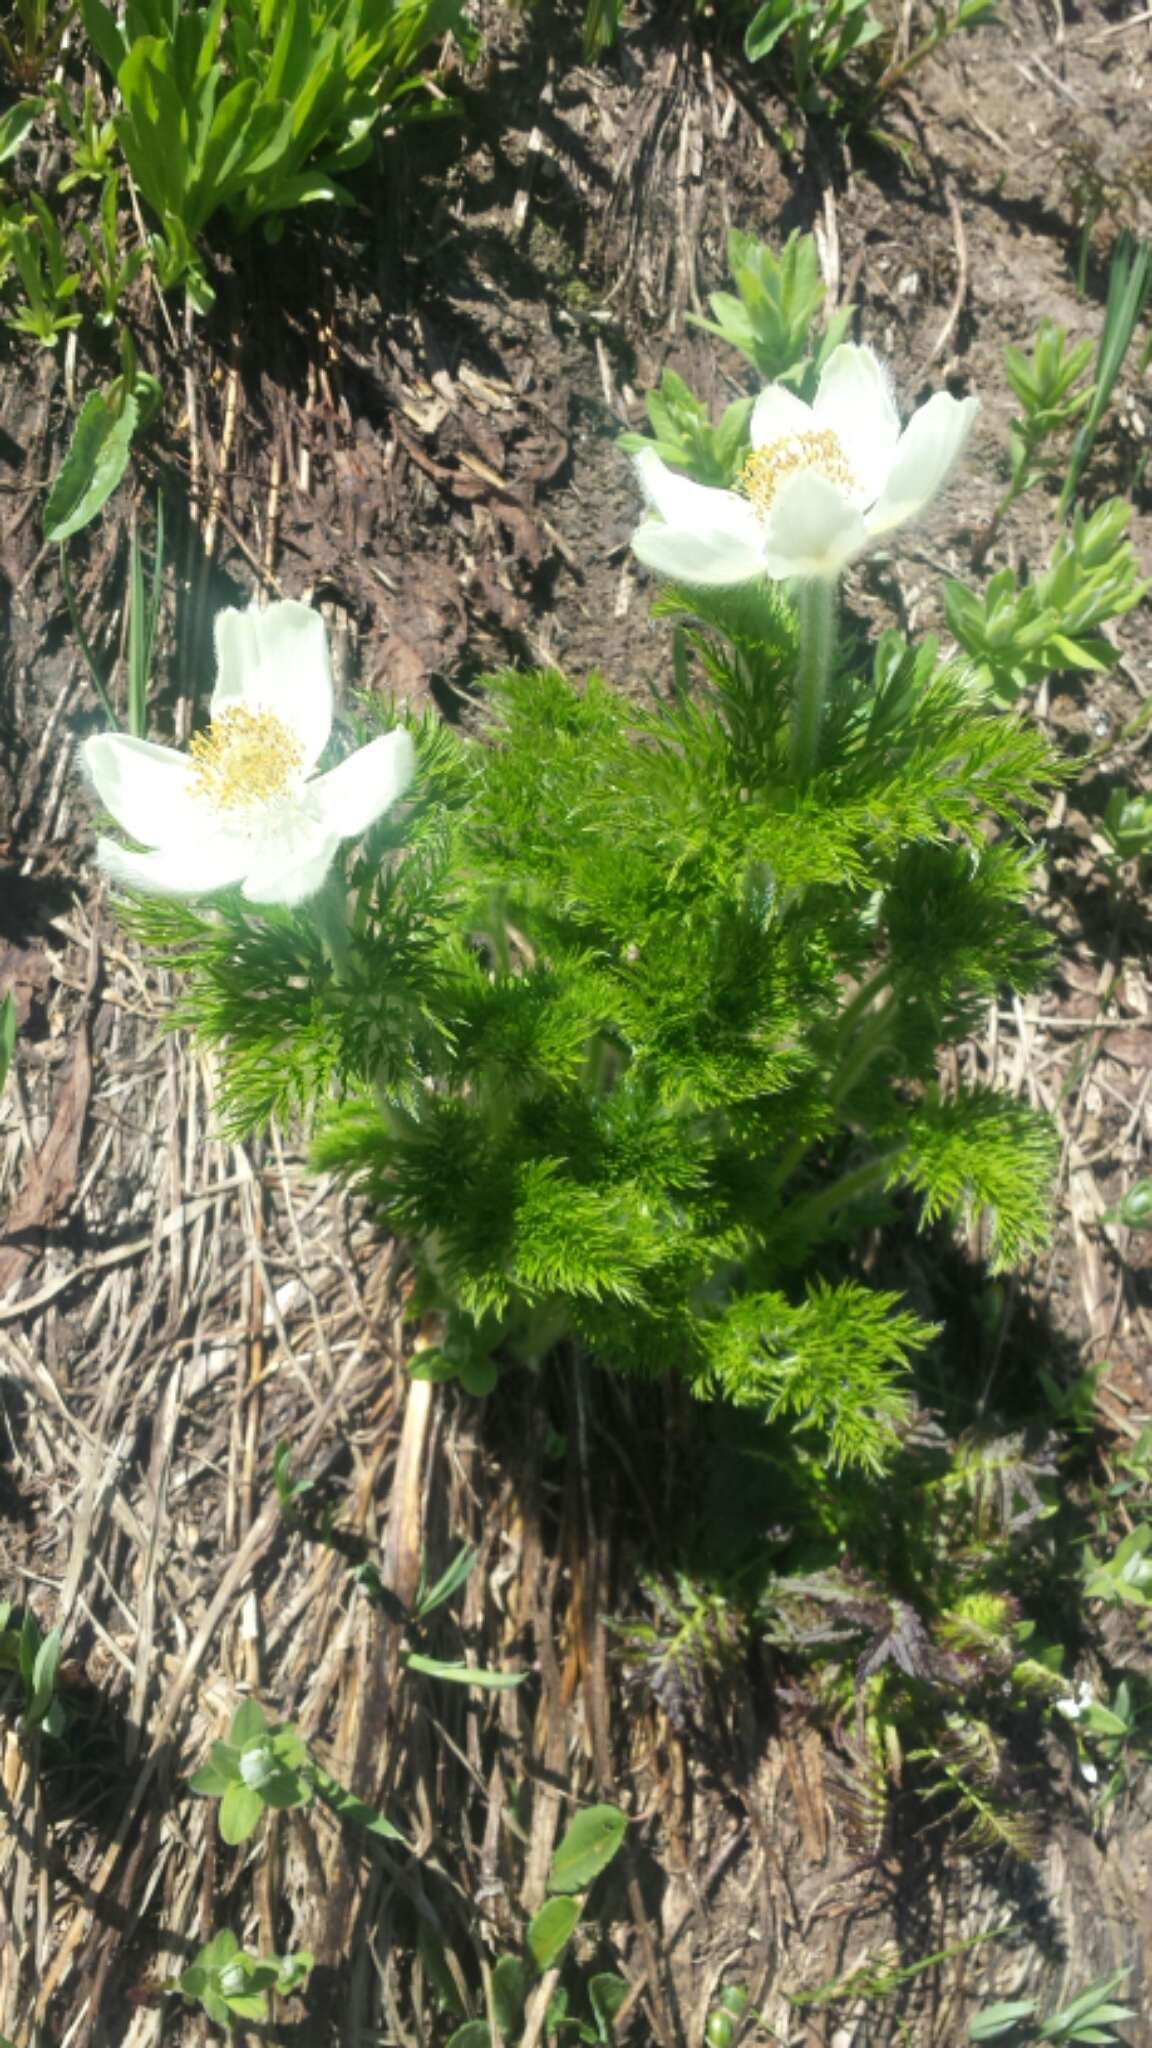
409 415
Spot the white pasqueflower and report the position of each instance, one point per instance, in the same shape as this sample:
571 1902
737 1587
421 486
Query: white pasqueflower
244 805
822 481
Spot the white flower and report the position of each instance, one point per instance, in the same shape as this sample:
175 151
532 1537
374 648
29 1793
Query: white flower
1074 1705
823 481
244 806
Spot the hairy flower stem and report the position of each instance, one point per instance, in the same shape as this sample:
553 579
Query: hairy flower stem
816 605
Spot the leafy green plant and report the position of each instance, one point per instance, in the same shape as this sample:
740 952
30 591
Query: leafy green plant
232 1986
770 319
1089 2017
1052 396
112 272
1016 634
262 1766
30 40
257 109
37 251
34 1658
1125 1578
771 316
824 41
589 1844
659 1031
94 146
1127 825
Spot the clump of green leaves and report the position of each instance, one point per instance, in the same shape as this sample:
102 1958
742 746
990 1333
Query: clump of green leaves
34 1659
1018 633
265 1766
589 1844
1088 2017
824 42
770 319
31 38
255 109
232 1986
36 248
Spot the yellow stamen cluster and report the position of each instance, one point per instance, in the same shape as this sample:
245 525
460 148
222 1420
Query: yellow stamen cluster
816 448
245 757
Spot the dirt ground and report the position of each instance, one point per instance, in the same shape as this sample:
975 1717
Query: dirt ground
411 418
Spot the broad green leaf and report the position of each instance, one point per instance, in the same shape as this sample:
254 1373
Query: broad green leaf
550 1931
473 2034
590 1843
240 1811
606 1994
220 1950
248 2005
249 1722
93 466
209 1782
509 1990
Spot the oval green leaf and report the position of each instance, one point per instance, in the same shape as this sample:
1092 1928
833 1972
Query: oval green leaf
587 1848
473 2034
240 1811
551 1930
93 466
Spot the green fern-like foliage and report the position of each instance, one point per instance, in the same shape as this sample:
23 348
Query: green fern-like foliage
624 1031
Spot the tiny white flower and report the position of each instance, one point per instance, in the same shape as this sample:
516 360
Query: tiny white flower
244 805
1088 1772
1074 1705
822 481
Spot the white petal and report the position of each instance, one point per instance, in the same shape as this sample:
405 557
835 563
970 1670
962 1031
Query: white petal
276 659
290 873
696 507
144 786
812 529
855 400
364 786
714 557
778 412
194 869
926 451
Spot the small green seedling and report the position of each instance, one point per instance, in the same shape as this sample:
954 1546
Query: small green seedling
112 273
1125 1578
35 1659
771 317
1088 2018
232 1985
588 1846
1017 634
1127 825
38 253
264 1766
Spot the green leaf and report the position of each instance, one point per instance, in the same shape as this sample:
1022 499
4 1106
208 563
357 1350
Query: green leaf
7 1044
15 124
606 1994
464 1674
240 1811
209 1782
93 466
249 1722
550 1930
509 1990
349 1808
473 2034
996 2020
591 1841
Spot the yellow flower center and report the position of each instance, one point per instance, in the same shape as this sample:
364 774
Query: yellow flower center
245 758
816 448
